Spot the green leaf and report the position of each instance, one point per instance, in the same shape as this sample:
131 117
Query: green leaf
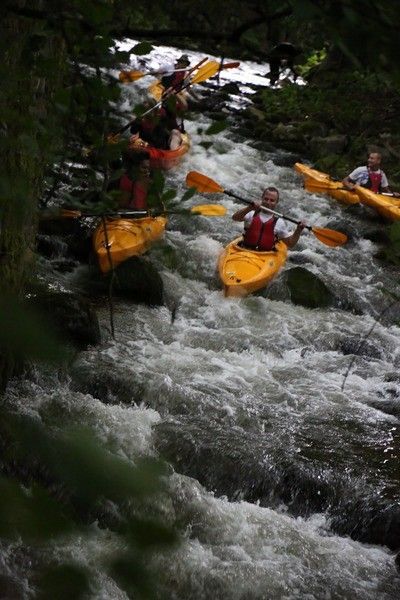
168 196
141 48
189 194
217 127
26 335
30 514
63 582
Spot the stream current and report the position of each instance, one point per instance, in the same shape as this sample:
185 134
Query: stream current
284 463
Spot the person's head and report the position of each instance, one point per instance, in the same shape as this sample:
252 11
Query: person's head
138 164
374 160
182 62
270 197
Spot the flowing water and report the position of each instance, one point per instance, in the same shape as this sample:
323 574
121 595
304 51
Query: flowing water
281 428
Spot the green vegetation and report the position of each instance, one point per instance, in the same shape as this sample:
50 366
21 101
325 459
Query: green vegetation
56 99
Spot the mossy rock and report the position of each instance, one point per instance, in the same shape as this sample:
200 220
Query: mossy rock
306 289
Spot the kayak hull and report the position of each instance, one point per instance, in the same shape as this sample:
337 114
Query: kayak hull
243 271
121 239
326 185
161 159
386 206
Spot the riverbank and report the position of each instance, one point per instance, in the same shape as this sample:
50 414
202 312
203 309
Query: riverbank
333 122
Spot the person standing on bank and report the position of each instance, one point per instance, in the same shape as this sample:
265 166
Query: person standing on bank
261 229
370 176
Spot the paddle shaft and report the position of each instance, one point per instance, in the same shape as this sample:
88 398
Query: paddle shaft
265 209
125 127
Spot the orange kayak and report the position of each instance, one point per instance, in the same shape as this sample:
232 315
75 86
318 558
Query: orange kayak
161 159
123 238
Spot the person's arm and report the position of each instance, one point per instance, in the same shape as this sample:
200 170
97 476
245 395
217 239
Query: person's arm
239 215
292 240
387 190
348 183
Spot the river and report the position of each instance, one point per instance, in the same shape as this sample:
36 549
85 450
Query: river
280 427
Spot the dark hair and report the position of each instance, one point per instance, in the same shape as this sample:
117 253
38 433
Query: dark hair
271 188
184 60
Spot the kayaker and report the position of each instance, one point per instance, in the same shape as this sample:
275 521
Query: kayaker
281 57
263 230
174 76
159 129
134 183
370 176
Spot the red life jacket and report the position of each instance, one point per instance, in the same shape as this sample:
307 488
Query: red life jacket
259 235
374 181
137 193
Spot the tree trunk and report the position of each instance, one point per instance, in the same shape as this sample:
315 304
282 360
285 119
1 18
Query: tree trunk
28 85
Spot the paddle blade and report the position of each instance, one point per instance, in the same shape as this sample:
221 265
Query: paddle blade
210 69
209 210
202 183
231 65
128 76
329 237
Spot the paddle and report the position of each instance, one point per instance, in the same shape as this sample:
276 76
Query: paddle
312 186
205 72
130 76
206 210
202 183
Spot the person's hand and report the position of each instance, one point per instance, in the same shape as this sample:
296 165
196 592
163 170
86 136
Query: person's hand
300 226
256 205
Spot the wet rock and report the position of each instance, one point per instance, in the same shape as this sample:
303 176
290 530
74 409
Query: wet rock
369 520
136 279
307 289
72 317
111 385
359 347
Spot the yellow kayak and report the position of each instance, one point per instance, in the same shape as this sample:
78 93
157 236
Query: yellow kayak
321 183
243 271
157 89
125 238
387 206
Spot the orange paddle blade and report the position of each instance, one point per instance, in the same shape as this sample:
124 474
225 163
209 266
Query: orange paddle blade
231 65
329 237
128 76
209 210
202 183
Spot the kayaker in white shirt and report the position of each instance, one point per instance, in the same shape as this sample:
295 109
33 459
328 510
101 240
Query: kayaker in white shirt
370 176
261 229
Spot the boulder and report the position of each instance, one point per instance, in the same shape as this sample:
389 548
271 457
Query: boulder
136 279
307 289
71 316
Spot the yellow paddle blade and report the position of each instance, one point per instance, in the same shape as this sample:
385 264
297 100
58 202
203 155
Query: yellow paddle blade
329 237
210 69
209 210
202 183
128 76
